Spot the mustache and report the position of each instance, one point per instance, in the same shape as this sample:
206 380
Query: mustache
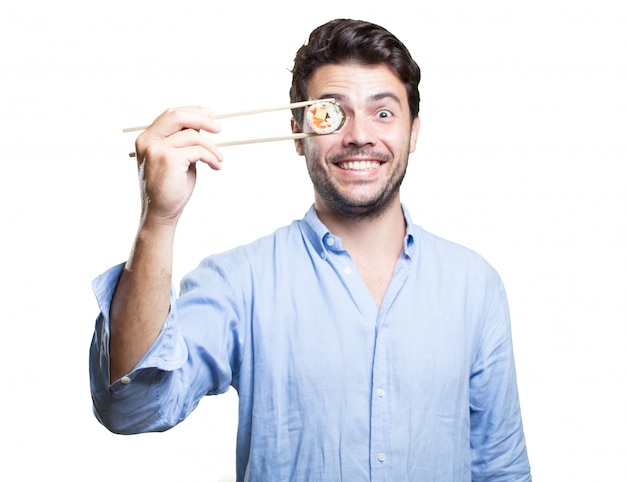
365 152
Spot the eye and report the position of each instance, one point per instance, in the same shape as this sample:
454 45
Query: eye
384 114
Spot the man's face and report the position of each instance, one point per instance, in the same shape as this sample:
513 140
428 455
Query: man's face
357 172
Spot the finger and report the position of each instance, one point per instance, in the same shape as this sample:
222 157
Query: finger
183 147
190 137
178 138
195 154
180 118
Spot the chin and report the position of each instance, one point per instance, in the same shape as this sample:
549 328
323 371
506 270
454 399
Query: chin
360 209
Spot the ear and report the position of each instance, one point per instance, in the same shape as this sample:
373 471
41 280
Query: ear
295 129
415 128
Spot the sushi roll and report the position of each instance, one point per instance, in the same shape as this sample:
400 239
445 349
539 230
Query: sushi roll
325 117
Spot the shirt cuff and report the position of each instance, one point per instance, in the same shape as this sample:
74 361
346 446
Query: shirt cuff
169 350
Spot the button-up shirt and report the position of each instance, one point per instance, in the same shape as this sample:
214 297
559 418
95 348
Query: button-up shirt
332 387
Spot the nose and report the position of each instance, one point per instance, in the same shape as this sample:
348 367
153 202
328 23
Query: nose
356 131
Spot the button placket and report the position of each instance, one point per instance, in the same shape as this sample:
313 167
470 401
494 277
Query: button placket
380 409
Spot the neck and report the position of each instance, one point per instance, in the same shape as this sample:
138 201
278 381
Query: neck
384 232
375 244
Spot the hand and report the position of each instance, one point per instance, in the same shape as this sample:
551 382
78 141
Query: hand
167 153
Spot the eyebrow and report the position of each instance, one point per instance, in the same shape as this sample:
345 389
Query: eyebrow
374 97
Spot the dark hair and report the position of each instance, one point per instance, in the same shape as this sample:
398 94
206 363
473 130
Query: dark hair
353 41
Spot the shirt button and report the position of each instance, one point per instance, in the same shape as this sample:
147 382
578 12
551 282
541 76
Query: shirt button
347 270
381 392
125 380
330 241
323 254
381 457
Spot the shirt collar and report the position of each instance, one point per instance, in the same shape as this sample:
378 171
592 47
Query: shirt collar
317 232
409 238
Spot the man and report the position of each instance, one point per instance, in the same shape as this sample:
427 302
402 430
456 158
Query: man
361 346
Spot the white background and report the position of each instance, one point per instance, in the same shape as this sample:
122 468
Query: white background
519 158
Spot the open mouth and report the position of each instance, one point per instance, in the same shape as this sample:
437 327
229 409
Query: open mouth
358 165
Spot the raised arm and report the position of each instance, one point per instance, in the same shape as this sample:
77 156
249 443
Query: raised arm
167 153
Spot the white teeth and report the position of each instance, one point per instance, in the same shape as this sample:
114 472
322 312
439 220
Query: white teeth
359 165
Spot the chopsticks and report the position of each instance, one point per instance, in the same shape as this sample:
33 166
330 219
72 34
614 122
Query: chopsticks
294 105
298 135
240 142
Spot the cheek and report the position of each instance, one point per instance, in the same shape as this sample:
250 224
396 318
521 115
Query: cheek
393 144
309 149
404 141
320 146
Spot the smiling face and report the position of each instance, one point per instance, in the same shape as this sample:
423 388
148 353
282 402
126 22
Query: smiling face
357 172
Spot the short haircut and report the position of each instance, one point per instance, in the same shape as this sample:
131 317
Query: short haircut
344 41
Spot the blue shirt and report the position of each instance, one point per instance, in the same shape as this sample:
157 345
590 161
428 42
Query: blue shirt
331 387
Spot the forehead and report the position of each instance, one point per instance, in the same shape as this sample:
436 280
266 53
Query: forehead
355 82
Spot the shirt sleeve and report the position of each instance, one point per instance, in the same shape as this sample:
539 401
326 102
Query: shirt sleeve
497 440
184 364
